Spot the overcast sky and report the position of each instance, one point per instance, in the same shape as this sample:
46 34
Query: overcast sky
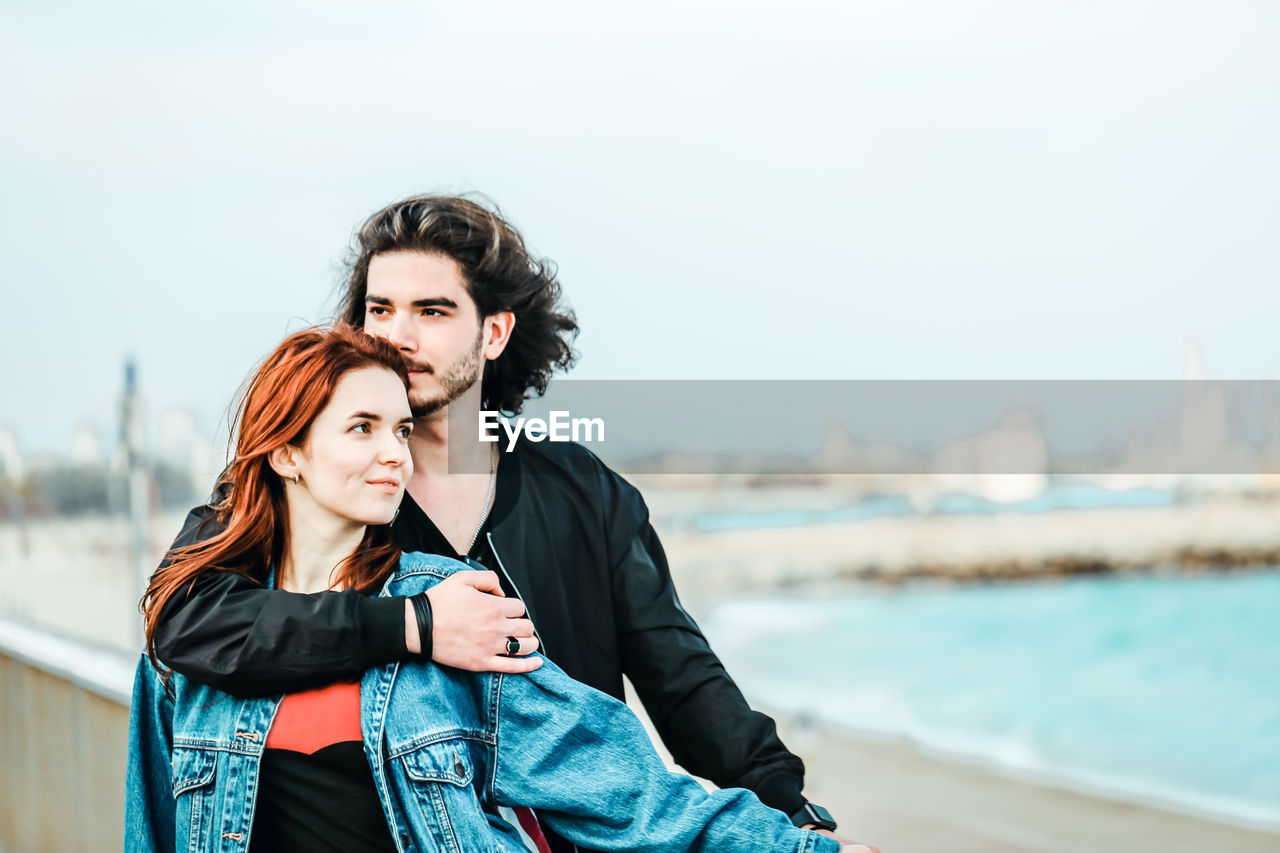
896 189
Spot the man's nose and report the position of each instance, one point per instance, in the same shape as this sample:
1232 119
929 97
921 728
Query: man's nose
400 333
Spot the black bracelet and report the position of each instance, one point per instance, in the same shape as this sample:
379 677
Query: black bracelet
422 610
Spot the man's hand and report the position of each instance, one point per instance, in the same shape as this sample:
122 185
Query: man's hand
849 846
472 621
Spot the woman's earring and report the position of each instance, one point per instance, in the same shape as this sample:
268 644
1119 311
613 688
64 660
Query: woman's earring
296 478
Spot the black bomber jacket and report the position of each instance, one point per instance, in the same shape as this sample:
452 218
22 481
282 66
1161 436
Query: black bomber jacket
573 540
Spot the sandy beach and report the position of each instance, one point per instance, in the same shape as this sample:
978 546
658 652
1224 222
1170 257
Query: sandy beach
892 795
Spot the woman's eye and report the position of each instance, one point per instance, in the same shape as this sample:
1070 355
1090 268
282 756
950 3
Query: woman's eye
360 428
404 431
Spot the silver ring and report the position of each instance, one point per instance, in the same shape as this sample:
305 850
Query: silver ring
513 646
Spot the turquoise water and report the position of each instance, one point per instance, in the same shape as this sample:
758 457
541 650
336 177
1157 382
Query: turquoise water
1057 497
1165 689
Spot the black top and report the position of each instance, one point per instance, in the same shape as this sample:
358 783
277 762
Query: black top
315 790
572 539
322 802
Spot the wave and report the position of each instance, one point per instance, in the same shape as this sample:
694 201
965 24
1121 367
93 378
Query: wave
879 712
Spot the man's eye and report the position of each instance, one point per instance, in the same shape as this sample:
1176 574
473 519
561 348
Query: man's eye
377 310
432 312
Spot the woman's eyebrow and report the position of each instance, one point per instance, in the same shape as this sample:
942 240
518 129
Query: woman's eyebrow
366 416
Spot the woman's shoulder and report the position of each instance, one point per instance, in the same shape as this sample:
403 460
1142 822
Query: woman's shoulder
421 571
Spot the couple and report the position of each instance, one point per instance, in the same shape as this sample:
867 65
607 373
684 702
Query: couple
423 752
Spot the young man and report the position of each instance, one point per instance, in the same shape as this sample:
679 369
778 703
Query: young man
561 541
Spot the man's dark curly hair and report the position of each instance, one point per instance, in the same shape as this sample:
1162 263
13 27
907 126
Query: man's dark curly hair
500 276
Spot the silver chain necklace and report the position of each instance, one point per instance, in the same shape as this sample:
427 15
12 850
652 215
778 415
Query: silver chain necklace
484 512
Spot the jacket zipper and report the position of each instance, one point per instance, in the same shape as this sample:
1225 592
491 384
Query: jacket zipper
520 595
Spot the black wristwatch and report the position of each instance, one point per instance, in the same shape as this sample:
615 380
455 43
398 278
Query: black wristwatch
812 813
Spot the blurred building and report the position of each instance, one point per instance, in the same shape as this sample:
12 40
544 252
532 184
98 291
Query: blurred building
184 451
86 447
1004 464
1202 434
11 467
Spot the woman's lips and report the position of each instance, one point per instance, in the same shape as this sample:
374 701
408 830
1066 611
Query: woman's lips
388 486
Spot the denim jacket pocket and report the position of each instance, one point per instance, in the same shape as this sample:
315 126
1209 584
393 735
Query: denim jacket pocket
441 776
447 761
193 781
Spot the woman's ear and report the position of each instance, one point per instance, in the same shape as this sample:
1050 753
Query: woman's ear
283 460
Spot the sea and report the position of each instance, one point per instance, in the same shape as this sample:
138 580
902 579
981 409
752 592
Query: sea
1163 690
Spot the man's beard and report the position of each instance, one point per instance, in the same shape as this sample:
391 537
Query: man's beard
454 380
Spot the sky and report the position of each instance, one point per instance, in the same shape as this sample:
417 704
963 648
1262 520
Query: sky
920 189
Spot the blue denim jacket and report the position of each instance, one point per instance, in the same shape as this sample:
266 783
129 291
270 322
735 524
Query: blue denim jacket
445 746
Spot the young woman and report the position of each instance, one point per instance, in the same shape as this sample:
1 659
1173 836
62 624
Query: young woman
416 756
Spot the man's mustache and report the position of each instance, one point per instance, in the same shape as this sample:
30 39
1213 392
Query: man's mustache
414 367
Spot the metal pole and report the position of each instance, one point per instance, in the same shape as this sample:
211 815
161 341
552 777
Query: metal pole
136 478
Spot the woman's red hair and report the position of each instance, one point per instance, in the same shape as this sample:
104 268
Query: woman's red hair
282 399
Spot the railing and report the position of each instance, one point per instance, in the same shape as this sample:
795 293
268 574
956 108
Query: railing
64 721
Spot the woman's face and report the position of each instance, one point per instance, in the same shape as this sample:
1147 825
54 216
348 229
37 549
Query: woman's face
355 461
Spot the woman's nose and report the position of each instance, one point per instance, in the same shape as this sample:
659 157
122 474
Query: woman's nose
393 452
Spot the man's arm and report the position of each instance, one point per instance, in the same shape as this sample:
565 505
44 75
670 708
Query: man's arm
697 709
231 632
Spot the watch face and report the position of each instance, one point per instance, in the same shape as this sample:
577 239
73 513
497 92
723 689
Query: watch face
812 813
821 817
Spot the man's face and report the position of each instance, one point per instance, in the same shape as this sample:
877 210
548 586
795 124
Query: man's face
419 302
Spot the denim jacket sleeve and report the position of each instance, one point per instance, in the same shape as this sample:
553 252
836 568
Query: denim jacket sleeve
583 760
149 812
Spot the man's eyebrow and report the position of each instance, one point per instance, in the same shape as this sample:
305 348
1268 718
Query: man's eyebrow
434 302
429 302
